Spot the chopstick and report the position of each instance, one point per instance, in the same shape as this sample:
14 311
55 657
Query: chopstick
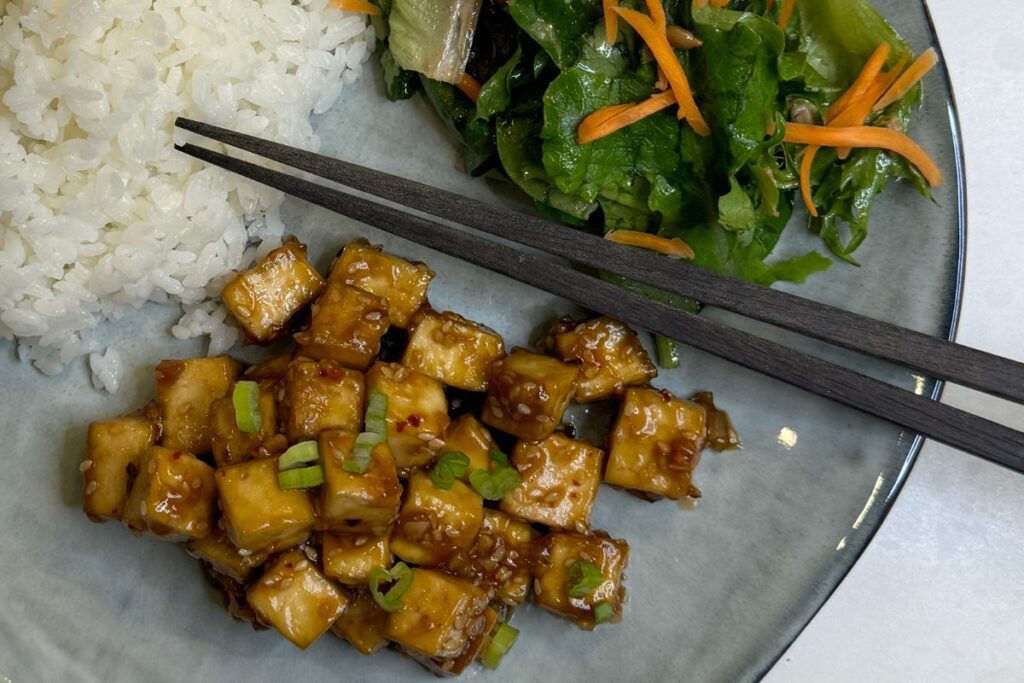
947 424
936 357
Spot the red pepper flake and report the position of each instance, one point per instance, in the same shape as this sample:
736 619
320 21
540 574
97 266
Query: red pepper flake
415 420
400 425
176 455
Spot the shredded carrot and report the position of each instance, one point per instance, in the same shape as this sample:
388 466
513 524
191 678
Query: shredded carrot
872 68
921 66
719 3
357 6
857 112
667 60
770 5
700 4
611 21
663 245
606 121
866 137
469 86
657 12
805 179
785 13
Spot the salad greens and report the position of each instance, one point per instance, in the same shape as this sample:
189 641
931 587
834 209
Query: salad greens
544 66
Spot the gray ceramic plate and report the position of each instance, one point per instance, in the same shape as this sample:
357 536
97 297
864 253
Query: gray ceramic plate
716 592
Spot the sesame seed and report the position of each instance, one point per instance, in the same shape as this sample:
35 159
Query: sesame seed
85 466
497 412
547 419
447 327
426 436
435 444
302 565
586 556
91 487
451 532
523 409
536 586
504 574
197 483
244 311
373 315
244 553
360 541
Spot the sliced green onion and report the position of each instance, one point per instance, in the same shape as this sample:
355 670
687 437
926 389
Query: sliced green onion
603 611
362 454
246 399
299 455
302 478
668 352
450 466
495 483
583 578
376 409
402 577
369 439
501 642
497 456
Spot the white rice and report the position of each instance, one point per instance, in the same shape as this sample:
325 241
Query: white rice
98 213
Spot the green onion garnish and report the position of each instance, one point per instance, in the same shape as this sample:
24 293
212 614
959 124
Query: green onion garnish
402 577
376 409
495 483
246 399
299 455
450 466
497 456
668 352
603 611
359 463
583 578
302 478
501 642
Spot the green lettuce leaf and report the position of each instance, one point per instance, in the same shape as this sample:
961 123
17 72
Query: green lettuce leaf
432 37
475 136
557 25
496 93
399 84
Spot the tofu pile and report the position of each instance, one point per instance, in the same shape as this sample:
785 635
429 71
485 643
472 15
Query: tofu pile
299 560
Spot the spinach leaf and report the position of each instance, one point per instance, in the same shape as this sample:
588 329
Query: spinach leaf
496 93
557 25
736 209
459 114
399 84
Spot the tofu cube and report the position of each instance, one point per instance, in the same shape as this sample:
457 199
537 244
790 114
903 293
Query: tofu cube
274 368
560 481
346 325
656 443
554 553
357 503
223 557
296 599
440 615
452 350
363 624
348 558
456 665
321 395
610 355
184 391
258 515
434 523
263 299
499 561
229 444
113 451
468 435
528 394
173 496
417 414
401 283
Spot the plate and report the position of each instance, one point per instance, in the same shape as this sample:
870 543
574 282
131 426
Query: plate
717 590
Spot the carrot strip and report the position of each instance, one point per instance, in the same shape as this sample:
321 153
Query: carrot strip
606 121
663 245
856 113
700 4
921 66
861 137
666 59
872 68
719 3
657 12
785 13
770 5
469 86
357 6
805 179
611 21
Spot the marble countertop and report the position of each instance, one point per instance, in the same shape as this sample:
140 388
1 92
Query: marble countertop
937 596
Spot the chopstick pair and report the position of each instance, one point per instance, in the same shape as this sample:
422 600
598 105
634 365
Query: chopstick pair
939 358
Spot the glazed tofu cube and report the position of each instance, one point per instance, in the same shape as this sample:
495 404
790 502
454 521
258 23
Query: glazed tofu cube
349 558
401 283
436 523
456 665
173 496
417 414
610 357
273 368
220 553
439 616
453 350
363 624
560 481
346 325
296 599
321 395
358 503
553 555
184 391
499 561
656 443
528 394
229 444
468 435
113 450
264 298
258 515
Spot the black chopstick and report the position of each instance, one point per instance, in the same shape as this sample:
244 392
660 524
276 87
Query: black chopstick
936 357
949 425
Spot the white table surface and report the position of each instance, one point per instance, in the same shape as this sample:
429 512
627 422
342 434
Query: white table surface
938 595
